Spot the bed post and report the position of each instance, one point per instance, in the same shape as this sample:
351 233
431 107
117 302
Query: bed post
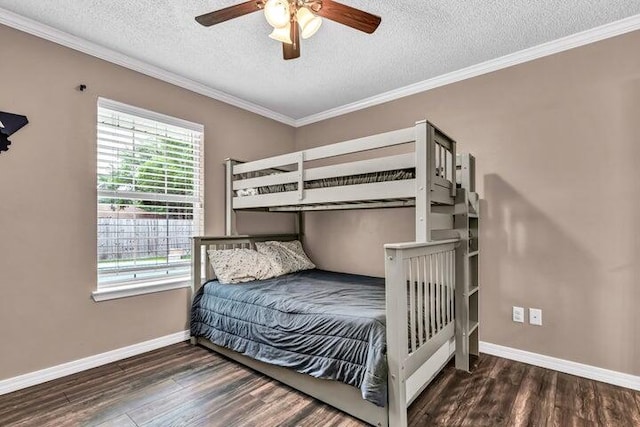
300 226
230 215
196 272
454 165
466 176
397 340
196 265
424 169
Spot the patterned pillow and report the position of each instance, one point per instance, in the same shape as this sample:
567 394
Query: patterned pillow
285 257
240 265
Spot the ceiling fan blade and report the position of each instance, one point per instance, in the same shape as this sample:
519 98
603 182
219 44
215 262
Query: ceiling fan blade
349 16
292 51
213 18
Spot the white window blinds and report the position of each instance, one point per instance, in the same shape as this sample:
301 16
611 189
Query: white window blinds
150 189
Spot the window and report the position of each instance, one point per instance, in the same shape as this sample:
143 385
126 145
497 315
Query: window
150 182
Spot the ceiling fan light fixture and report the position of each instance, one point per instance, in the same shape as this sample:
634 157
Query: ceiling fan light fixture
309 23
295 19
277 13
282 34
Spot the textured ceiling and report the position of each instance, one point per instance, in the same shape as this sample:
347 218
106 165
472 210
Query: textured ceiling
417 40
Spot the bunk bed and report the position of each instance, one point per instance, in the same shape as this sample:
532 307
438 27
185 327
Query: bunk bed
428 298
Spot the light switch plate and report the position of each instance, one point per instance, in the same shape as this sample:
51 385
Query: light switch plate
518 314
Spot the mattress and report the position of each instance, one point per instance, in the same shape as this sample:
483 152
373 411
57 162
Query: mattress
365 178
327 325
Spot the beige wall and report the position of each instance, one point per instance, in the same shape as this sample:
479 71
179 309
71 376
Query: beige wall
557 147
557 142
48 201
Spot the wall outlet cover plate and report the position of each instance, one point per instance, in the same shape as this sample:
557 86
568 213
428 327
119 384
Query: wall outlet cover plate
535 316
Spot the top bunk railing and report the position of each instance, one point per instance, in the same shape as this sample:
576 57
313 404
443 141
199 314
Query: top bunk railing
289 181
373 142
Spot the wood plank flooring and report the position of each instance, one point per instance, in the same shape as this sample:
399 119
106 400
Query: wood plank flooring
182 385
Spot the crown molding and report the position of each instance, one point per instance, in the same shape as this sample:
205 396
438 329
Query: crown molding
593 35
46 32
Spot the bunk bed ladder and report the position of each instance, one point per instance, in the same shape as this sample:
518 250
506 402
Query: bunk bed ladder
466 222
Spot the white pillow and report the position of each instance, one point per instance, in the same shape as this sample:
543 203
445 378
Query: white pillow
285 257
240 265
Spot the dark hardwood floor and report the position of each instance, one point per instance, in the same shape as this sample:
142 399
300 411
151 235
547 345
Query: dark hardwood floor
183 385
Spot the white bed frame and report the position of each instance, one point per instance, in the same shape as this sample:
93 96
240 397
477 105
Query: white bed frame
433 263
433 157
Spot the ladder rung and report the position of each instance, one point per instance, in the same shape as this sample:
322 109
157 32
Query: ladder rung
473 326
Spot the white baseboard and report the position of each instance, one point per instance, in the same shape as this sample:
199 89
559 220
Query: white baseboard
48 374
561 365
566 366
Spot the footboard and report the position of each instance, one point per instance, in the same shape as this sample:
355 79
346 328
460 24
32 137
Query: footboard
420 286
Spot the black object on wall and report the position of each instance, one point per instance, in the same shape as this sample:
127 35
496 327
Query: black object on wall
10 124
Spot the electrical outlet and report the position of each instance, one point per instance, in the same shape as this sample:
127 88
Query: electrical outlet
518 314
535 316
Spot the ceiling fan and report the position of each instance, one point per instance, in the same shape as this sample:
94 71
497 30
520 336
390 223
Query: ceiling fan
291 19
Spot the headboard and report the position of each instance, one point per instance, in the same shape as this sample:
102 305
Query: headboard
201 267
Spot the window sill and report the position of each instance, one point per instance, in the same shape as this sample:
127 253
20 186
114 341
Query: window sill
132 290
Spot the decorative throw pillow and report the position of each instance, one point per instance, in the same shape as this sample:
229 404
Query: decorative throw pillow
240 265
285 257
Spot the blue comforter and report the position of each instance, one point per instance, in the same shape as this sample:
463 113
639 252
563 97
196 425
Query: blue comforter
328 325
